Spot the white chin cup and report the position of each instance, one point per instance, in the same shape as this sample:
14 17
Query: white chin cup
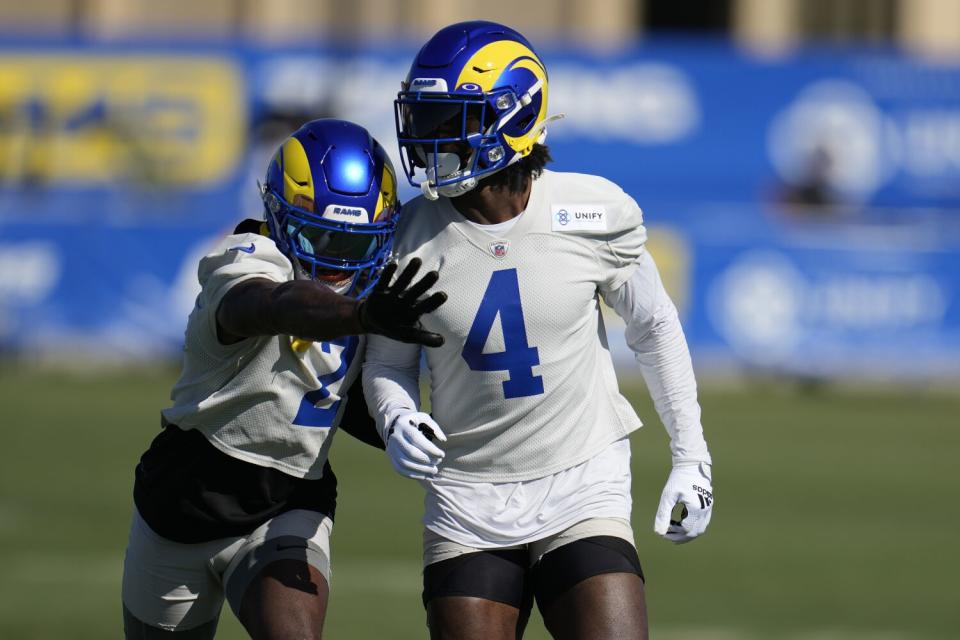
429 192
342 288
447 167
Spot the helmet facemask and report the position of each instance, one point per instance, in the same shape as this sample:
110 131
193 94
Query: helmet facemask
331 205
344 256
458 138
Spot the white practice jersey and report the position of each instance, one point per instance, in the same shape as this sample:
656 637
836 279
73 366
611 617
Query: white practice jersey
524 385
259 400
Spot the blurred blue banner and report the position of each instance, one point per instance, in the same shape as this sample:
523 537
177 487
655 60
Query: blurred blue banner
812 199
814 301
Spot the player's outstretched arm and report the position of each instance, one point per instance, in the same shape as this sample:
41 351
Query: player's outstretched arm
302 308
311 311
654 334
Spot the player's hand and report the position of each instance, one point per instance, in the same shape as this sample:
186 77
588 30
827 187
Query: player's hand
689 485
394 310
410 445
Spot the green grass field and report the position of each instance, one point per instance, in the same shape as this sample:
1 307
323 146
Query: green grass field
835 515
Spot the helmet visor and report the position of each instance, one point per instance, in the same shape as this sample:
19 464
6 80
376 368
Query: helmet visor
333 246
443 118
429 120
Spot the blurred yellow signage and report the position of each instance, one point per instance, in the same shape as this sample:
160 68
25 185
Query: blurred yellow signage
87 119
671 252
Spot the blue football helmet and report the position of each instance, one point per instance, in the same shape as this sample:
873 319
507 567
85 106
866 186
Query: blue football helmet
330 196
474 102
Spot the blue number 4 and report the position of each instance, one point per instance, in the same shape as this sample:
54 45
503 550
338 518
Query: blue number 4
502 298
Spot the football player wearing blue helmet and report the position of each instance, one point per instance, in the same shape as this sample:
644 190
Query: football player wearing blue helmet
525 456
473 104
235 498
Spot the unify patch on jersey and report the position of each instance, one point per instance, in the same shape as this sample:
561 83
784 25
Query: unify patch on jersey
579 217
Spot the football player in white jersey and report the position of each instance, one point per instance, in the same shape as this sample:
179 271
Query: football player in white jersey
235 498
525 458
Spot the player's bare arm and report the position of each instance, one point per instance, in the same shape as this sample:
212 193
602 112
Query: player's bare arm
309 310
302 308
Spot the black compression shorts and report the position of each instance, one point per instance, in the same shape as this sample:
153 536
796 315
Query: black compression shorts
503 575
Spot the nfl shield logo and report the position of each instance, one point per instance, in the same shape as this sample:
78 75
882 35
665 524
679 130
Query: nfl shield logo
499 248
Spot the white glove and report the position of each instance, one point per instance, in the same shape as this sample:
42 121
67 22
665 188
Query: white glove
689 485
410 447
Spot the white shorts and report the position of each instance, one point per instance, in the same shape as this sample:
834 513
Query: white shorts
177 586
436 548
488 515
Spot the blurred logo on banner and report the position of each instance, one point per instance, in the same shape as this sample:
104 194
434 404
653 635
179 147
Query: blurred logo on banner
89 120
28 271
642 103
836 126
860 142
799 305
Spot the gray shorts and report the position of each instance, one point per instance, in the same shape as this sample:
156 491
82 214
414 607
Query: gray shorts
177 586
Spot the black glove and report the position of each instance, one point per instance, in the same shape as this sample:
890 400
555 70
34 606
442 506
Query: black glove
394 310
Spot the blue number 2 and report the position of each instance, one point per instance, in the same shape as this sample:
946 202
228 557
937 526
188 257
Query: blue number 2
309 415
502 298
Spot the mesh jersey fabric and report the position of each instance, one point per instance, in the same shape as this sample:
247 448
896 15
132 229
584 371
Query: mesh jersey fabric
258 400
559 270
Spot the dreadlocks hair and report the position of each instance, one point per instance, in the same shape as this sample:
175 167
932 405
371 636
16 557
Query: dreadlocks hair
514 178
